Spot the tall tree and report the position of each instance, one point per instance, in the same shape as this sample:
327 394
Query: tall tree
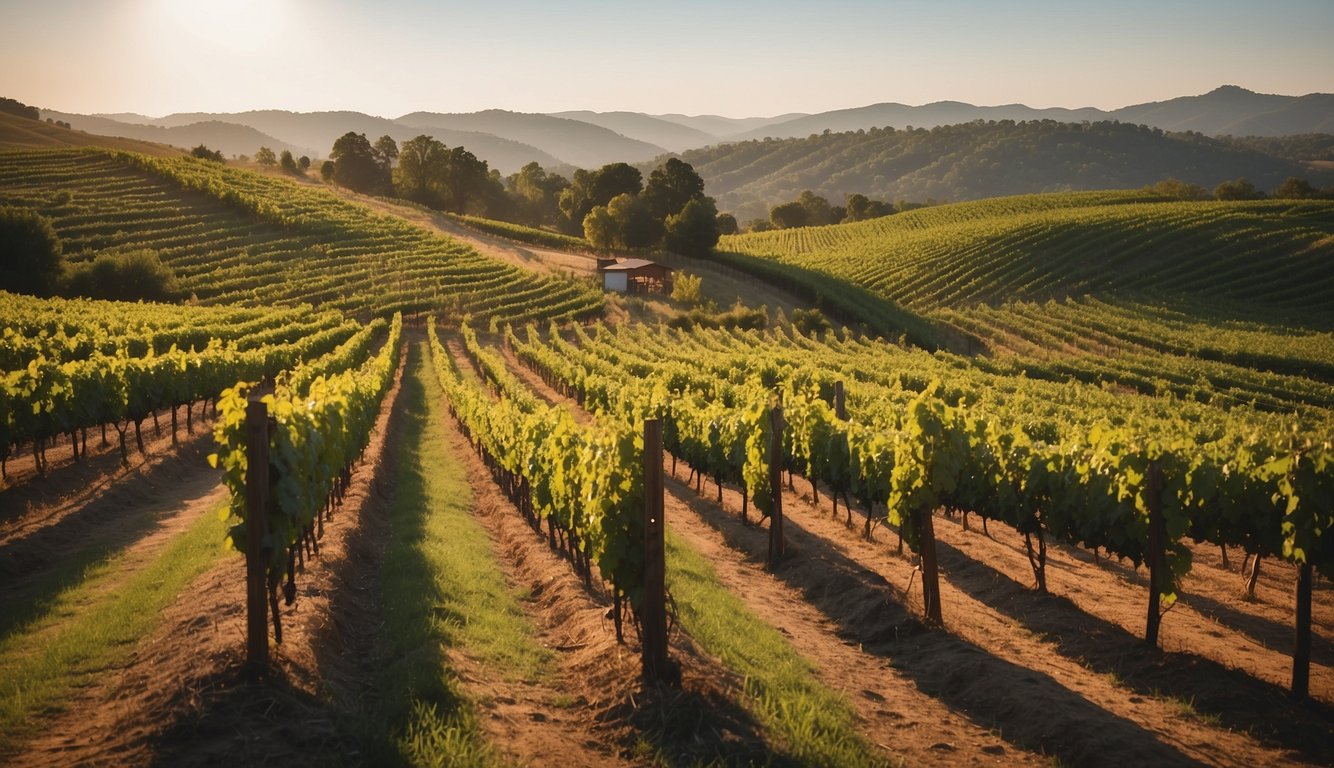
788 215
694 231
355 164
265 156
636 226
671 186
386 153
422 165
537 193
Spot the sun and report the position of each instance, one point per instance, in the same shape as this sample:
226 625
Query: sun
226 26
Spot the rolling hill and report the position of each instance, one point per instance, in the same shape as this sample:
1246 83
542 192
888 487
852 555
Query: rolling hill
571 141
229 138
21 132
975 160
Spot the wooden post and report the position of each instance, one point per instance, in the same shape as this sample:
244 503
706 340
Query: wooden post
1301 652
840 401
654 616
777 543
926 533
1153 491
257 498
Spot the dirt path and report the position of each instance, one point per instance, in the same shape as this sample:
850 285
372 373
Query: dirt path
1008 676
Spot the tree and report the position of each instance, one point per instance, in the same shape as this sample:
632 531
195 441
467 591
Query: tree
327 170
265 156
421 169
287 163
356 165
386 153
30 252
18 108
727 224
536 194
788 215
1237 189
693 231
204 153
589 189
124 276
1178 190
636 227
303 163
671 186
1296 189
818 212
600 229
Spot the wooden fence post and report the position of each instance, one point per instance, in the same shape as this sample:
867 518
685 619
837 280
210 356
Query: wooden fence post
654 616
1153 490
257 503
1301 652
777 543
840 401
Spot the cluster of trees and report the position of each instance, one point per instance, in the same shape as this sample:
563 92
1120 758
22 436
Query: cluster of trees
619 210
19 109
812 210
33 255
1241 188
612 206
204 153
265 156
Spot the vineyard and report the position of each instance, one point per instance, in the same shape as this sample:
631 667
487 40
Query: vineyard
1051 495
238 238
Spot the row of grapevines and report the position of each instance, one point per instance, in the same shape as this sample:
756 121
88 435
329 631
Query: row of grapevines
317 430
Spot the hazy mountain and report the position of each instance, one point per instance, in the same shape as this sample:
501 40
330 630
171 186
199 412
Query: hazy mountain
1230 110
20 132
575 142
228 138
667 134
314 133
724 127
1225 110
975 160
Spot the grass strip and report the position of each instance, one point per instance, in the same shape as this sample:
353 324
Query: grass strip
813 724
93 625
442 589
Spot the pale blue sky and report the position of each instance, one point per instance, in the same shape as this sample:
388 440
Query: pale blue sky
740 58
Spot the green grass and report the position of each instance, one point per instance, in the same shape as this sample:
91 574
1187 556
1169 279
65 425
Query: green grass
441 589
811 723
93 625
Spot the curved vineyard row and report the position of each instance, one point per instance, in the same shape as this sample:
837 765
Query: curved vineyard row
235 237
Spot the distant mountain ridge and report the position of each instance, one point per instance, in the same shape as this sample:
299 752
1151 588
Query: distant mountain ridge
508 140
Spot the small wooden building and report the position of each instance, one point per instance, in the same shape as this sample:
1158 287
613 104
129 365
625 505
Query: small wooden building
636 276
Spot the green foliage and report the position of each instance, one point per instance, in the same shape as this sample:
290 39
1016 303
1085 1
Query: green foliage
137 275
30 252
810 322
693 231
204 153
982 159
687 288
1237 189
727 224
356 165
327 169
1176 189
523 234
789 215
670 187
288 163
265 156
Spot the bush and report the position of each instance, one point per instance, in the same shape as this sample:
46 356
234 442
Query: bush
30 252
204 153
810 322
687 289
739 316
124 276
1237 189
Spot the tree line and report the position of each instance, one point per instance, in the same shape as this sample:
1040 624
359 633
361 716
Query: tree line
612 207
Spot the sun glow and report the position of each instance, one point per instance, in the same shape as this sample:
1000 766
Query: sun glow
232 26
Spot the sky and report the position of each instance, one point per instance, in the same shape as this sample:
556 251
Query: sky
736 58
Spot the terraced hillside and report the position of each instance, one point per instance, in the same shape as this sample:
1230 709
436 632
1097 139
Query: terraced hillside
1204 300
235 237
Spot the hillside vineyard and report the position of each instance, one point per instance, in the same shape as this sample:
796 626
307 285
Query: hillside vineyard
930 515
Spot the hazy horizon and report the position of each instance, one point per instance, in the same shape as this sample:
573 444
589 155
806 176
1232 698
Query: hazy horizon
745 59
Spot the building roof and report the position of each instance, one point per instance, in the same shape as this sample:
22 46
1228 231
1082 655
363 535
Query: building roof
630 265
